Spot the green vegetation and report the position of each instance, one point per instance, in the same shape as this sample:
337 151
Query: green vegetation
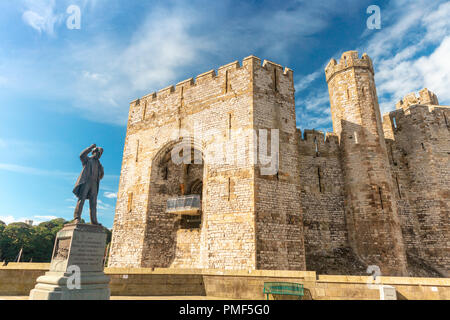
36 241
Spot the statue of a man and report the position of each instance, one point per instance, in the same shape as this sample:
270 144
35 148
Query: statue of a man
88 182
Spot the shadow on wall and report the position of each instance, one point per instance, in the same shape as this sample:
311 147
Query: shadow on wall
167 235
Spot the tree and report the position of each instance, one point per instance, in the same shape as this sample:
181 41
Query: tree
2 227
17 236
36 242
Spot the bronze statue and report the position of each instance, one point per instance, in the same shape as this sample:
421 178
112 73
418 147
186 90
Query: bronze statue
88 182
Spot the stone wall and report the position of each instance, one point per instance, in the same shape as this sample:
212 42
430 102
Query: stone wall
371 193
207 111
322 200
279 221
419 148
18 280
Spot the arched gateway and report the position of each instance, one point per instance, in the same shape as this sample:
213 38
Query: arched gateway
175 207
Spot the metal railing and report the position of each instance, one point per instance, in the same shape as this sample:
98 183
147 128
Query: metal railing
188 205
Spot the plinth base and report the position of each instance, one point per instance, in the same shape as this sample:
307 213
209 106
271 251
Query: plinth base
76 270
54 286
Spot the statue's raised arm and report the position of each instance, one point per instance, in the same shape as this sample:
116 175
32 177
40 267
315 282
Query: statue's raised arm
85 152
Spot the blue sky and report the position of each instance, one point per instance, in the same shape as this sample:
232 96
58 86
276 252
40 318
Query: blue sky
62 90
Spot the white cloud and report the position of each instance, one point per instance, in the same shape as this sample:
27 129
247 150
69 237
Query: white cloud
103 206
435 70
34 171
306 81
41 16
10 219
313 112
423 60
318 101
110 195
27 148
107 72
46 218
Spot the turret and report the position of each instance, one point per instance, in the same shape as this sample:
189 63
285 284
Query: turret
370 205
426 97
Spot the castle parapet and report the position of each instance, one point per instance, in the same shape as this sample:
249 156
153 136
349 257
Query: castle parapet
414 115
426 97
349 59
317 143
212 75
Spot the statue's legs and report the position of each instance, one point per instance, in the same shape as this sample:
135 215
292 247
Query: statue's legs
80 204
93 205
78 210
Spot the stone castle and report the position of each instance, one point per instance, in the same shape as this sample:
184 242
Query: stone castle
374 192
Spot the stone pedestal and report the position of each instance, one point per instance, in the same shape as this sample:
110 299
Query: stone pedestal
76 270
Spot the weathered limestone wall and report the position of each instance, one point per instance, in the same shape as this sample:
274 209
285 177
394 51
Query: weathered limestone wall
419 148
279 221
322 198
373 224
371 193
18 280
208 109
187 250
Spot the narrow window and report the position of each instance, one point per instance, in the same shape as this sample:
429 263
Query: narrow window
320 179
392 155
229 188
345 61
381 197
145 111
229 126
398 187
423 146
348 94
363 92
137 151
130 201
275 79
356 137
394 122
165 172
316 146
226 81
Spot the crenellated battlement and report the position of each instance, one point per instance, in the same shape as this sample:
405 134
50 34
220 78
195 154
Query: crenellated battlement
318 143
212 75
349 59
426 97
415 115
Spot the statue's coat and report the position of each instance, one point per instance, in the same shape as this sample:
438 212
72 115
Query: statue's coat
86 177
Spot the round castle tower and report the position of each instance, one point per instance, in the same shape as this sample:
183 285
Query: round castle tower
374 230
